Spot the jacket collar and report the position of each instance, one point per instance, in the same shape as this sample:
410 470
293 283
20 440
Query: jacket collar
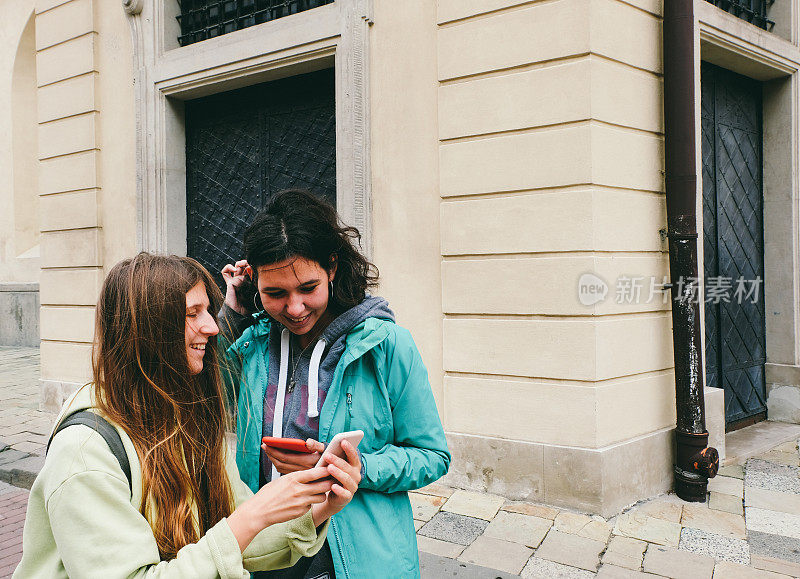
360 339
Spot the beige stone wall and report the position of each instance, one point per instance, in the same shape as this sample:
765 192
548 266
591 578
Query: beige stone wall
19 227
87 171
550 167
404 164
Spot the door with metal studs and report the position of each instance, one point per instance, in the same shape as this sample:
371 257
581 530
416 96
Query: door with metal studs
244 146
734 242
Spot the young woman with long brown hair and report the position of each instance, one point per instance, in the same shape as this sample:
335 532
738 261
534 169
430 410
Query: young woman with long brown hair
182 510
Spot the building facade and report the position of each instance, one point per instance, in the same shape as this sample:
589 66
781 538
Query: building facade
504 160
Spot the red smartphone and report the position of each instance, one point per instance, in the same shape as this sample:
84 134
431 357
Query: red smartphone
294 444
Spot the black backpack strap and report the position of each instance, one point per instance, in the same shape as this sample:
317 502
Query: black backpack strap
104 429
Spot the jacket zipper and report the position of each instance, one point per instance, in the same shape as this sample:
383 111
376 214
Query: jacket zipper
349 412
341 547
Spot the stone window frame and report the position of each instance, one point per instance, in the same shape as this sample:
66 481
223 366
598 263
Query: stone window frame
165 75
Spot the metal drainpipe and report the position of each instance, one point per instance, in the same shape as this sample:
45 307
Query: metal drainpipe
695 462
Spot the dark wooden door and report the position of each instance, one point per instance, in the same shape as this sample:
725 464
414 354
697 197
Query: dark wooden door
244 146
734 241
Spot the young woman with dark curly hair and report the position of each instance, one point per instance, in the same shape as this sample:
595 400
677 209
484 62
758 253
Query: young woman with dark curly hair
322 356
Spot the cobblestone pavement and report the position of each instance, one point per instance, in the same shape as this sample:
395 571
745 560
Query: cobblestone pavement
13 502
23 426
749 527
23 435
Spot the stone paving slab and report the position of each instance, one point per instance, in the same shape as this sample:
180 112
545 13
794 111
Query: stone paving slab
716 546
21 473
772 500
775 565
437 567
11 455
758 438
571 550
776 546
496 554
6 488
614 572
727 503
699 516
772 522
650 529
777 457
534 510
624 552
726 570
583 525
471 504
454 528
664 507
441 548
726 485
790 446
436 490
516 528
425 507
732 470
538 568
677 564
568 522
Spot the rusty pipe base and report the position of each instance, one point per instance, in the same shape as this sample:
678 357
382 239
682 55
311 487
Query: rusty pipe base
695 464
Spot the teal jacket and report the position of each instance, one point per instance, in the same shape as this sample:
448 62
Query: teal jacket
380 386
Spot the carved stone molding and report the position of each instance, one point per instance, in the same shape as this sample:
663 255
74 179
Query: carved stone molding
133 7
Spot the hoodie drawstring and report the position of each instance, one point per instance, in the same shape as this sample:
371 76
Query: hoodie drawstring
280 395
283 375
313 379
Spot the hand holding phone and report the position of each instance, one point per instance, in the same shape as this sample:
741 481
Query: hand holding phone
343 463
335 445
291 454
293 444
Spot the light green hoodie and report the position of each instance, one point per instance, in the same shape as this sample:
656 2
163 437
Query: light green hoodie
83 522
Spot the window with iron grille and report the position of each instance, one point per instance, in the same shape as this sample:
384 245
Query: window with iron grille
203 19
754 11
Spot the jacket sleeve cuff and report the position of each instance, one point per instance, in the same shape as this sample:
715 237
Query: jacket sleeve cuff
283 544
304 538
231 323
369 472
225 551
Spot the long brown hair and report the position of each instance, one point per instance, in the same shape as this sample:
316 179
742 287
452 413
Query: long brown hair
176 420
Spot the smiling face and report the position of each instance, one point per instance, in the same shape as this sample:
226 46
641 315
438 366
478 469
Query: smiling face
295 293
200 326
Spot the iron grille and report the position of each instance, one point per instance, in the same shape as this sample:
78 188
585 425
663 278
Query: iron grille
203 19
754 11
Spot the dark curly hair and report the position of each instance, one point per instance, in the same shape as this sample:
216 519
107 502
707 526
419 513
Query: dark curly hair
297 223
